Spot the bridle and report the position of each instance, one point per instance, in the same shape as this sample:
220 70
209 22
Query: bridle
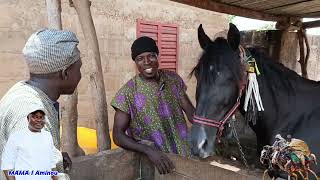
220 124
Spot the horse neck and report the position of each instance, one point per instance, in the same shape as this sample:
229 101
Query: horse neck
284 79
281 89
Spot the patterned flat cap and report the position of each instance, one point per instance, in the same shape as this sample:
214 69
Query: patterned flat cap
49 50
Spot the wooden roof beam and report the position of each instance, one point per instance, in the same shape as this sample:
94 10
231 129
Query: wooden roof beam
310 15
311 24
229 9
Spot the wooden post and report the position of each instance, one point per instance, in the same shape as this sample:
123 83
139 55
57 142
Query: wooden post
288 50
69 117
304 57
69 112
290 42
54 13
289 45
96 77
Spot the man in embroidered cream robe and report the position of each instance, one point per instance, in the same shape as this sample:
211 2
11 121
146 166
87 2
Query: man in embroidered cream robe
54 64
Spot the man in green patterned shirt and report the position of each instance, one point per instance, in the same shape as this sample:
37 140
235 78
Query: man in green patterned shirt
150 107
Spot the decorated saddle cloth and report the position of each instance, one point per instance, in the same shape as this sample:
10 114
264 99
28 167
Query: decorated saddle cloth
293 157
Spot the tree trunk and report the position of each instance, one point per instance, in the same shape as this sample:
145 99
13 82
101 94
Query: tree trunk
69 112
96 77
54 14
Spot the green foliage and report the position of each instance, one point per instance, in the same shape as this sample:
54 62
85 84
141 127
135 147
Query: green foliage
231 18
269 26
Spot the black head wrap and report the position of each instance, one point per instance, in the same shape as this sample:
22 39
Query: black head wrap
143 44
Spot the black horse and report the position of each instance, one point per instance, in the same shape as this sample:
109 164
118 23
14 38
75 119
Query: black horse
291 103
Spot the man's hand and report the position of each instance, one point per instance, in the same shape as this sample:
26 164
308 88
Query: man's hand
160 160
7 175
121 124
54 177
67 163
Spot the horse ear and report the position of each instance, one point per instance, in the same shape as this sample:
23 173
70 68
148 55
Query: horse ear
233 36
203 39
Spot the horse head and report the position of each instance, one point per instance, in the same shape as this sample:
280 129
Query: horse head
219 76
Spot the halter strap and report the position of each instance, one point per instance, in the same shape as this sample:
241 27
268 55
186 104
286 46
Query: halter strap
220 124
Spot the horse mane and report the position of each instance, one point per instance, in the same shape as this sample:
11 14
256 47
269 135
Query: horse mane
278 75
216 55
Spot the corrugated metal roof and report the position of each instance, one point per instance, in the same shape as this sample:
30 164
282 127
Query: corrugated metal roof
299 8
261 9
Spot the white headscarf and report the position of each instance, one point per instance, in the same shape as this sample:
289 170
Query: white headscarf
49 50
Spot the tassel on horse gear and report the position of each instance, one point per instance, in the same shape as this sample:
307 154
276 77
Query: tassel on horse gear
253 86
253 102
